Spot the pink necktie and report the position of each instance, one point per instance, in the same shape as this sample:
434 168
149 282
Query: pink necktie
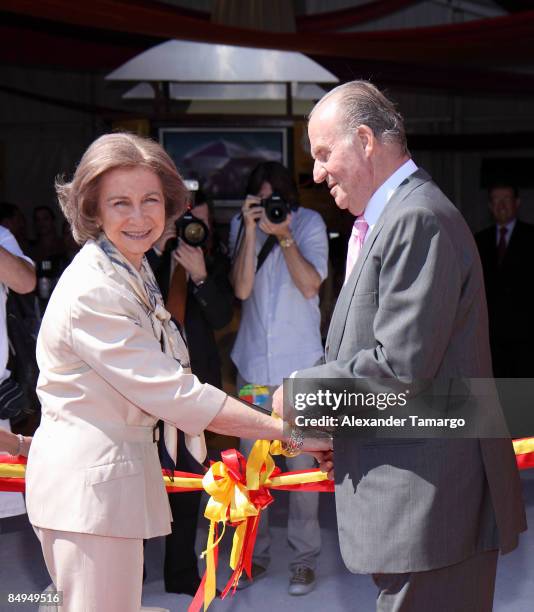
359 230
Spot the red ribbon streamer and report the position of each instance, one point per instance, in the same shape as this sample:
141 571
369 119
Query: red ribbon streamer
236 466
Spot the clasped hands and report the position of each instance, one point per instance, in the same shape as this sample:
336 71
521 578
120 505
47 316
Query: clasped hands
254 213
320 448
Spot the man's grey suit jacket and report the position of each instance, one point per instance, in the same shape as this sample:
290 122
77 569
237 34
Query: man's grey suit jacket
414 307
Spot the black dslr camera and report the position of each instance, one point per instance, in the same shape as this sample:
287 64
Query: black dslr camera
191 230
276 209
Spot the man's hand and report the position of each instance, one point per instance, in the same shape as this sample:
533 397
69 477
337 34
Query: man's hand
192 259
251 212
317 446
280 230
326 461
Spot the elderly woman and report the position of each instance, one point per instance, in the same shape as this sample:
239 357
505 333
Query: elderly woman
111 364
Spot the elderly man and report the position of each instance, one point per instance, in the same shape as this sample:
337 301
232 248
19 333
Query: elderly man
425 517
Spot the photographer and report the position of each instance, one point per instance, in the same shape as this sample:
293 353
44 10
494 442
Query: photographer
278 267
194 284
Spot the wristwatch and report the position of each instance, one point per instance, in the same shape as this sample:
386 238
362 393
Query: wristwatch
285 243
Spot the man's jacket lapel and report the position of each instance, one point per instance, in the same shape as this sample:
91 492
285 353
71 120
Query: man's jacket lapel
339 316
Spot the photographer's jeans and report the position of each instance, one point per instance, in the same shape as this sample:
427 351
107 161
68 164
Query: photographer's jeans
303 530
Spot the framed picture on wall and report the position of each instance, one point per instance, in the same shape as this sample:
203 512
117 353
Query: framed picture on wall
221 159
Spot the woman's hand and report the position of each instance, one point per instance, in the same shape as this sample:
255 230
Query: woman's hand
192 259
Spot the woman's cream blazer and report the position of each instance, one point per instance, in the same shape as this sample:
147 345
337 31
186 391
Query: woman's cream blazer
104 382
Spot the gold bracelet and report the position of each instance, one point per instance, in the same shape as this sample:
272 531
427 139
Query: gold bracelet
285 243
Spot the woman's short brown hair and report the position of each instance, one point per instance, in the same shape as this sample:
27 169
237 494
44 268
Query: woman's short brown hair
79 198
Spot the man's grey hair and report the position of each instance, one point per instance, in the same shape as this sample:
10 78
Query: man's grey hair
361 103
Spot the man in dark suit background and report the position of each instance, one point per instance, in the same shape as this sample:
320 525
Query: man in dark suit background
507 253
425 517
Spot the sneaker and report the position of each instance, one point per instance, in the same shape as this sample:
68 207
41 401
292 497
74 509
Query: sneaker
257 571
302 581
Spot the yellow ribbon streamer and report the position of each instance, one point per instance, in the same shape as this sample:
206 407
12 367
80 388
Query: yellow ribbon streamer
258 457
522 447
180 482
295 479
237 544
12 470
229 501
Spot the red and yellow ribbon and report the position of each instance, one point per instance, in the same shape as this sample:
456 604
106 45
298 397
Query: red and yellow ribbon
524 453
13 470
239 490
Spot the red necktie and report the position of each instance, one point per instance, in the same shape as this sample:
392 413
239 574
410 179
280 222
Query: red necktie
501 247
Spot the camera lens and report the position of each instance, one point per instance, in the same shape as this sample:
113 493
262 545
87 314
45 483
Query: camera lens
275 209
191 230
195 233
276 214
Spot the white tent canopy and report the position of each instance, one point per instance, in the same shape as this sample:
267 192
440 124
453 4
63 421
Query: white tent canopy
229 91
194 62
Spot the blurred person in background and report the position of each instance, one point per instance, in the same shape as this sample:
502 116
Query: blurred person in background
280 333
47 244
48 252
17 274
194 284
13 218
70 246
507 253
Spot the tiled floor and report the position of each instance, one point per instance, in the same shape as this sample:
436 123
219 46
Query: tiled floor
22 569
